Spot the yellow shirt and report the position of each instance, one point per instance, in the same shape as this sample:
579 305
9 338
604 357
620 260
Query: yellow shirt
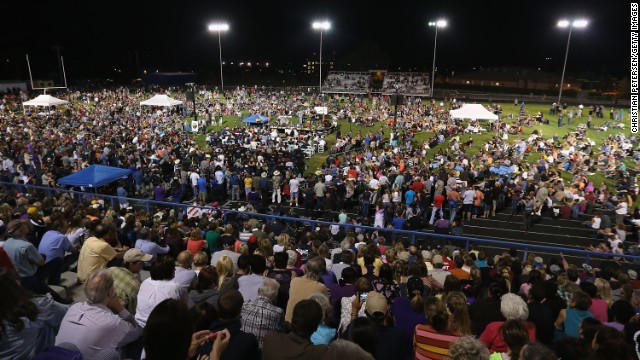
248 182
94 256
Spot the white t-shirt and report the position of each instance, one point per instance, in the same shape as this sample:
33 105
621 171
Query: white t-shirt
294 185
468 196
596 223
623 208
194 178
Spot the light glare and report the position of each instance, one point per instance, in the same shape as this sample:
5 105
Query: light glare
321 25
219 27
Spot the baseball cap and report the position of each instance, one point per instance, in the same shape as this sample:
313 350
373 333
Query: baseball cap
437 259
632 274
554 269
32 210
537 262
376 303
135 254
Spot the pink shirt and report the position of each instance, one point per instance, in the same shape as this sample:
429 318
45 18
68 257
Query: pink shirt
599 308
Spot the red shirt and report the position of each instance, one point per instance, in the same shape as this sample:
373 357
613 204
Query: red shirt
417 186
493 340
437 202
195 246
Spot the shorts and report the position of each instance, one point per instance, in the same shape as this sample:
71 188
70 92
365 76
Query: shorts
294 194
467 207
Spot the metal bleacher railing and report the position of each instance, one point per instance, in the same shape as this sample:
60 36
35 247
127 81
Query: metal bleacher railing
412 236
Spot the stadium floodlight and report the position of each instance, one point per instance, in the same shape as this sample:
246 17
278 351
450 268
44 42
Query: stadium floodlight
564 23
441 23
219 27
322 26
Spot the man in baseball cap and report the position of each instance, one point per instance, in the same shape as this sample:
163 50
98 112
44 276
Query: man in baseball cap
126 279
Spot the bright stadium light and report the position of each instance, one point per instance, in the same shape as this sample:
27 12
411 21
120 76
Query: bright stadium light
219 27
441 23
564 23
322 26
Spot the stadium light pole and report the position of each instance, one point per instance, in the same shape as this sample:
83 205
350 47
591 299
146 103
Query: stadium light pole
578 24
436 24
322 26
219 27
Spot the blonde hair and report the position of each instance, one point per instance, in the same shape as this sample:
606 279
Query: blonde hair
604 290
200 259
284 240
224 268
243 249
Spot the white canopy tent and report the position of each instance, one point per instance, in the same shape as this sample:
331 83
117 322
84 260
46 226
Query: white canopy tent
45 101
160 100
474 112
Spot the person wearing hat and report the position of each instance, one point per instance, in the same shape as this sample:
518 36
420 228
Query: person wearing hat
126 280
276 180
438 274
395 345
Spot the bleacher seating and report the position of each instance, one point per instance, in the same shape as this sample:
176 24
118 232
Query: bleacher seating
347 82
408 83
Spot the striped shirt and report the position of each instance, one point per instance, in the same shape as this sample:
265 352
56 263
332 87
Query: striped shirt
432 345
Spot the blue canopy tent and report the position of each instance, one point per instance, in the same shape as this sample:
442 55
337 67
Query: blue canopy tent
256 119
95 176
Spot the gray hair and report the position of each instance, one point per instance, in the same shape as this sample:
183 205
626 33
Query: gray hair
468 348
269 289
345 245
314 268
513 307
325 304
98 286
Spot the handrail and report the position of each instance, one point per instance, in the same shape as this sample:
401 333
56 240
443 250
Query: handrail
468 240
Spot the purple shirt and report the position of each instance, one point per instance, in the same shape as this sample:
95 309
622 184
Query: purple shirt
406 318
336 293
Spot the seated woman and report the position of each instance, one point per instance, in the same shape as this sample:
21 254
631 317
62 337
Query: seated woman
28 324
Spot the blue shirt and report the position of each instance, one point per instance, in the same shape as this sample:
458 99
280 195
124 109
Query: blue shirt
121 192
151 248
202 184
54 245
398 223
24 256
409 196
324 335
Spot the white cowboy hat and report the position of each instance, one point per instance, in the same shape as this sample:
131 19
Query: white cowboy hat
276 173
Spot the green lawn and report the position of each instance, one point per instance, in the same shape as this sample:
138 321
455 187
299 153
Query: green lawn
549 130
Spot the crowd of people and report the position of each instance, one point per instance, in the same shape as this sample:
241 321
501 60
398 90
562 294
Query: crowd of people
237 287
227 284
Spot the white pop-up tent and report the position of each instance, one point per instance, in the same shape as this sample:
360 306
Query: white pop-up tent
45 101
474 112
160 100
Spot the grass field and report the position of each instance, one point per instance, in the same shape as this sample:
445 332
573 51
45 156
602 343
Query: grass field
478 139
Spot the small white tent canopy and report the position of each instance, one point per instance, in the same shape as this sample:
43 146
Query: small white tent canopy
160 100
473 111
45 100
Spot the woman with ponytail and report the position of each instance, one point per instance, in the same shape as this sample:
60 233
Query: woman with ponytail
432 341
408 311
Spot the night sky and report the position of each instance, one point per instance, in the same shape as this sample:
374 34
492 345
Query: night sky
173 36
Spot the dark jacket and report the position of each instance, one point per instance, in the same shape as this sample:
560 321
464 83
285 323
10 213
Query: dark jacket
279 346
